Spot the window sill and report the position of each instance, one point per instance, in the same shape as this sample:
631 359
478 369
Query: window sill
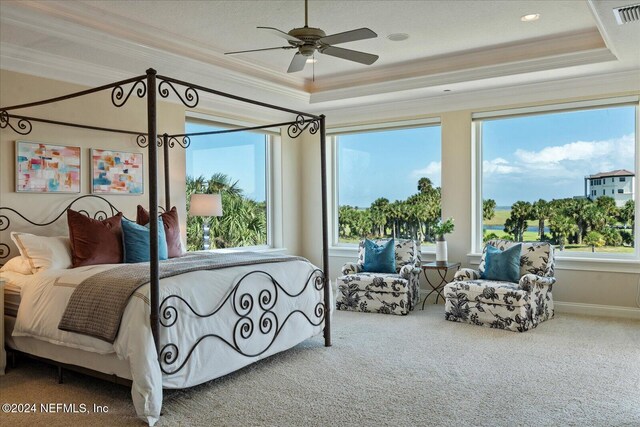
609 265
352 252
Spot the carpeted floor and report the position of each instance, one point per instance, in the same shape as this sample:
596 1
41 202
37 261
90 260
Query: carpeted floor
389 371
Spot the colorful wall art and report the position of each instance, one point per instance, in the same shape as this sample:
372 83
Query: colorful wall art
116 172
46 168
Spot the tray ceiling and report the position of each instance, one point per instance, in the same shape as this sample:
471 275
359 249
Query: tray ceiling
458 46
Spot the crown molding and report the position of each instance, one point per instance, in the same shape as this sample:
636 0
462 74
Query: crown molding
514 52
147 46
526 66
21 60
136 34
595 85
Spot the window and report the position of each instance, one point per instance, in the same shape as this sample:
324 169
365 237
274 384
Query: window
234 164
622 179
534 166
620 191
387 183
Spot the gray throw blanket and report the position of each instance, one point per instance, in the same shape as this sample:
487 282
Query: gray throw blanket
97 304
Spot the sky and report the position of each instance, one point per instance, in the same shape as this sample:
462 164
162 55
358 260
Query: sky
548 155
240 155
386 164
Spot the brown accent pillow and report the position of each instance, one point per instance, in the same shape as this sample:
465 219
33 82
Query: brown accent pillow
171 228
94 241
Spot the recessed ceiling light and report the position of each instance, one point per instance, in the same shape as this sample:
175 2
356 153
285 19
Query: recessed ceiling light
530 17
311 60
398 37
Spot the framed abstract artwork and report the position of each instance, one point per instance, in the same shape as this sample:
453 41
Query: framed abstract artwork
47 168
116 172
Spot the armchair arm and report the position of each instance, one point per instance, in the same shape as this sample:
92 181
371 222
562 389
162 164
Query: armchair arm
530 281
351 268
408 269
466 274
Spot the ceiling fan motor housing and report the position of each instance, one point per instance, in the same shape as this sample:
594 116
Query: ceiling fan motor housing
309 36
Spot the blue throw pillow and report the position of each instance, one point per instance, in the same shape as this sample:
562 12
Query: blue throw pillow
137 241
379 258
502 265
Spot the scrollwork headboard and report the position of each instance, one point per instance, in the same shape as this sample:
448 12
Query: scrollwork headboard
12 219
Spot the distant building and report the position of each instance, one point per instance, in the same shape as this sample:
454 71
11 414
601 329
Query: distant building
618 184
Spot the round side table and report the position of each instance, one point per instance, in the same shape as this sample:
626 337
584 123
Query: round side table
442 268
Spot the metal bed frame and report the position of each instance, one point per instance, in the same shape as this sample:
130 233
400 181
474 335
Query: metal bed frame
149 85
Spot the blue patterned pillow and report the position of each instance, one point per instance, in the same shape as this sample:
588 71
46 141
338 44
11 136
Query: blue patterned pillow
379 258
502 265
137 241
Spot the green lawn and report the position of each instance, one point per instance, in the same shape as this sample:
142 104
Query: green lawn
501 217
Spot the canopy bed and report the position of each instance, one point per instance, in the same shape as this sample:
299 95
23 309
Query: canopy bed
170 323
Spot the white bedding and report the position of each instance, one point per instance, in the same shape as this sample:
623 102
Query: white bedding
45 296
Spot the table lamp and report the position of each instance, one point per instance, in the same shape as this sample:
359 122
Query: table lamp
206 205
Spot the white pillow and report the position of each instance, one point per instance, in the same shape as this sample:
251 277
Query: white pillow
17 265
43 253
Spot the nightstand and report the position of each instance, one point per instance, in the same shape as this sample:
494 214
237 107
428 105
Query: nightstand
3 353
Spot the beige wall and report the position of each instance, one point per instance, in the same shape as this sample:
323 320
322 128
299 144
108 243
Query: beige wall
97 110
575 285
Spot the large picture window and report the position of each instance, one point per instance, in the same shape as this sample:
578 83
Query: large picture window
387 183
566 176
235 165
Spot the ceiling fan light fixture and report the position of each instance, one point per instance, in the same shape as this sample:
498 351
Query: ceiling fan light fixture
398 37
530 17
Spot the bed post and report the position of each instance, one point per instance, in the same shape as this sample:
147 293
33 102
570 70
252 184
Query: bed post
325 234
154 282
167 180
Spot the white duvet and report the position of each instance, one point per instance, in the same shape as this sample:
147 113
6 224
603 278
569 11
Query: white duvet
45 296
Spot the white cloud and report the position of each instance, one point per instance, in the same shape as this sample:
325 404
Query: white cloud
556 171
498 166
433 169
579 151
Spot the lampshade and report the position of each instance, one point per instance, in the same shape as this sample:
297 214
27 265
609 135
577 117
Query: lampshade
206 205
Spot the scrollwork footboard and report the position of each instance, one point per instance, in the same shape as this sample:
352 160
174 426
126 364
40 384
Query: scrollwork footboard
257 325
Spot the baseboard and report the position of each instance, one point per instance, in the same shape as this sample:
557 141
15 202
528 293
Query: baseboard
597 310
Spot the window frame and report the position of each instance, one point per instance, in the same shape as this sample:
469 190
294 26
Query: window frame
572 260
336 247
272 176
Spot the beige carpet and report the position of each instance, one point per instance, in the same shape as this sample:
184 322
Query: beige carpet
390 371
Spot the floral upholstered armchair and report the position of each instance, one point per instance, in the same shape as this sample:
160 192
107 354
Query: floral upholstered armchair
502 304
388 293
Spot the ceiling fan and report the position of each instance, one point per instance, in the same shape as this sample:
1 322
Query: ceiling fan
309 39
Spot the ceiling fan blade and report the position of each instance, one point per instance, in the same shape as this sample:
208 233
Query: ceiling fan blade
350 55
258 50
297 63
282 34
348 36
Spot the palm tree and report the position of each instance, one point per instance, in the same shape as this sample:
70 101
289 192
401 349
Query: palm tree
541 211
594 239
425 185
562 226
488 209
516 224
244 221
378 212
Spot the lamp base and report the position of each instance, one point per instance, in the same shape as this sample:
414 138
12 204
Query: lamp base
205 242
